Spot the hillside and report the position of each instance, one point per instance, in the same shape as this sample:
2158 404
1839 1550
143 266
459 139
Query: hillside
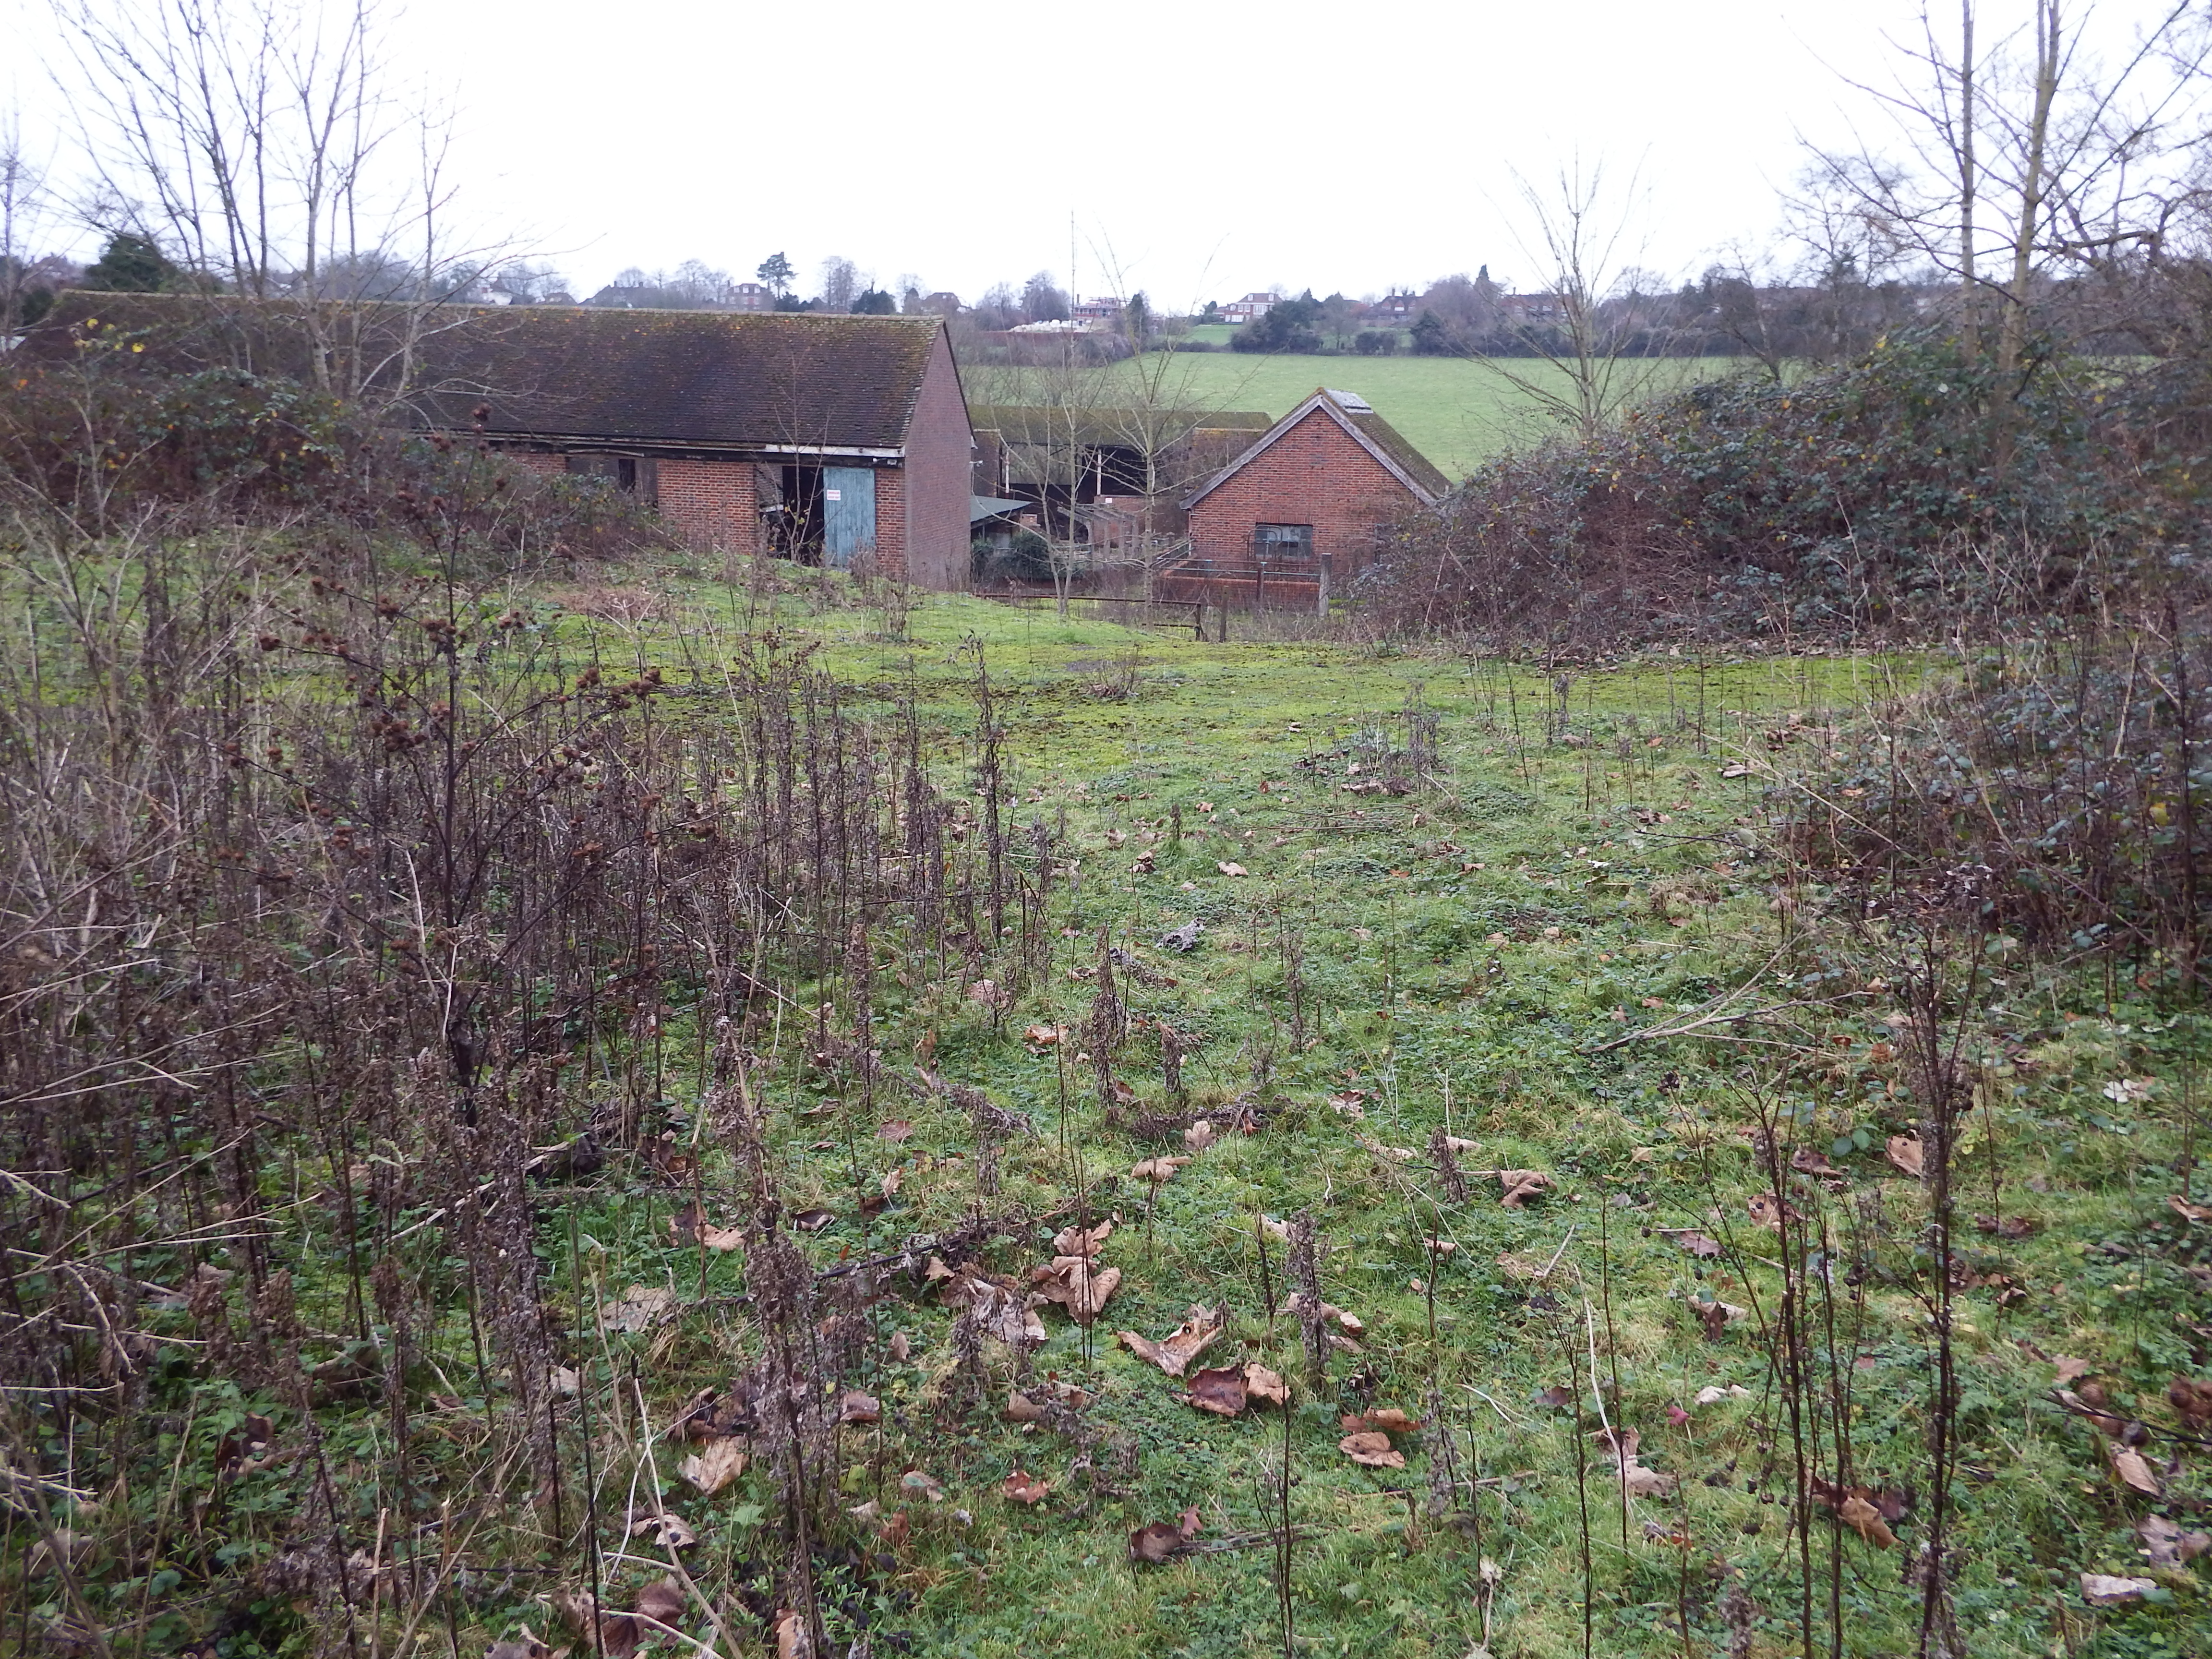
1456 1053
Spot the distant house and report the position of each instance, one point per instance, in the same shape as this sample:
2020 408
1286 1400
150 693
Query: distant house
752 296
820 438
1097 314
1393 307
1247 309
1305 507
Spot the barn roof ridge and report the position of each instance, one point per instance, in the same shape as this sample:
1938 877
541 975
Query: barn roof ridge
1365 428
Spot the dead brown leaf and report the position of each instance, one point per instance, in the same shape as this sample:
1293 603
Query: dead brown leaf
713 1469
812 1221
1021 1487
1200 1136
2070 1368
1160 1541
791 1641
1621 1445
1862 1518
1044 1036
1179 1348
896 1130
2167 1546
1077 1284
1157 1169
2102 1589
642 1307
1020 1408
661 1602
1075 1240
2188 1212
1220 1391
1263 1385
1520 1185
926 1485
2011 1226
854 1406
2192 1400
1230 868
2135 1473
1805 1161
1371 1448
669 1531
1698 1245
1906 1155
1766 1211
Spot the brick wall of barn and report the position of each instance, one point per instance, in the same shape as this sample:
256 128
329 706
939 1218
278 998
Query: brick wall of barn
711 503
1317 474
935 489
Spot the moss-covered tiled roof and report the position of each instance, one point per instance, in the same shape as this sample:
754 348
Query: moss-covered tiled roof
687 377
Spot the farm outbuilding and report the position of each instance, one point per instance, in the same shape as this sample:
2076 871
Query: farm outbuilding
1306 507
825 439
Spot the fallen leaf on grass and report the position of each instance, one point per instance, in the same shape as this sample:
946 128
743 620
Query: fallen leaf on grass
1862 1518
1906 1155
1389 1418
1713 1395
1263 1384
711 1470
2012 1226
662 1603
1348 1104
1805 1161
854 1406
791 1641
2167 1546
2134 1472
1221 1391
2069 1369
900 1346
1621 1445
1228 868
1556 1397
1766 1211
2102 1589
895 1131
1044 1036
1698 1245
1715 1317
670 1531
1076 1241
1158 1542
915 1481
1371 1448
1184 1344
642 1307
1200 1136
1521 1185
1077 1284
2188 1212
1157 1169
812 1221
1021 1487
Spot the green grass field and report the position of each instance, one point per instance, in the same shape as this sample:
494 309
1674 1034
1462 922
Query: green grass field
1456 412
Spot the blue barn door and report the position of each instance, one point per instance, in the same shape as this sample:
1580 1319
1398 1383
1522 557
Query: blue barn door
849 513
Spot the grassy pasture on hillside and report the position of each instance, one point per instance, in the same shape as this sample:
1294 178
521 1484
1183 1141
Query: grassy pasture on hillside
1456 412
1505 981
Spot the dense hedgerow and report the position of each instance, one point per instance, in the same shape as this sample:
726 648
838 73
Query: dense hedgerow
1907 493
104 443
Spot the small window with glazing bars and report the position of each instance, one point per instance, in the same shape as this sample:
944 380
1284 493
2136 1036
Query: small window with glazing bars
1281 544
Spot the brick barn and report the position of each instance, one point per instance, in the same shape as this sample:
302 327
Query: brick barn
1303 508
820 438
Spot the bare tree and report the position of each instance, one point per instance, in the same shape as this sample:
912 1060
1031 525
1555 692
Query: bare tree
24 214
840 283
2024 160
263 147
1580 236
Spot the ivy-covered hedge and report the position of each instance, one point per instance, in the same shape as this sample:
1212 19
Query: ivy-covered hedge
1909 491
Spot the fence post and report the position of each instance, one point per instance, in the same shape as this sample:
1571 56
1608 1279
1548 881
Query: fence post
1326 560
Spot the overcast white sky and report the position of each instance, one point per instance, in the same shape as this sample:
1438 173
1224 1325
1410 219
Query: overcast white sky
1215 148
